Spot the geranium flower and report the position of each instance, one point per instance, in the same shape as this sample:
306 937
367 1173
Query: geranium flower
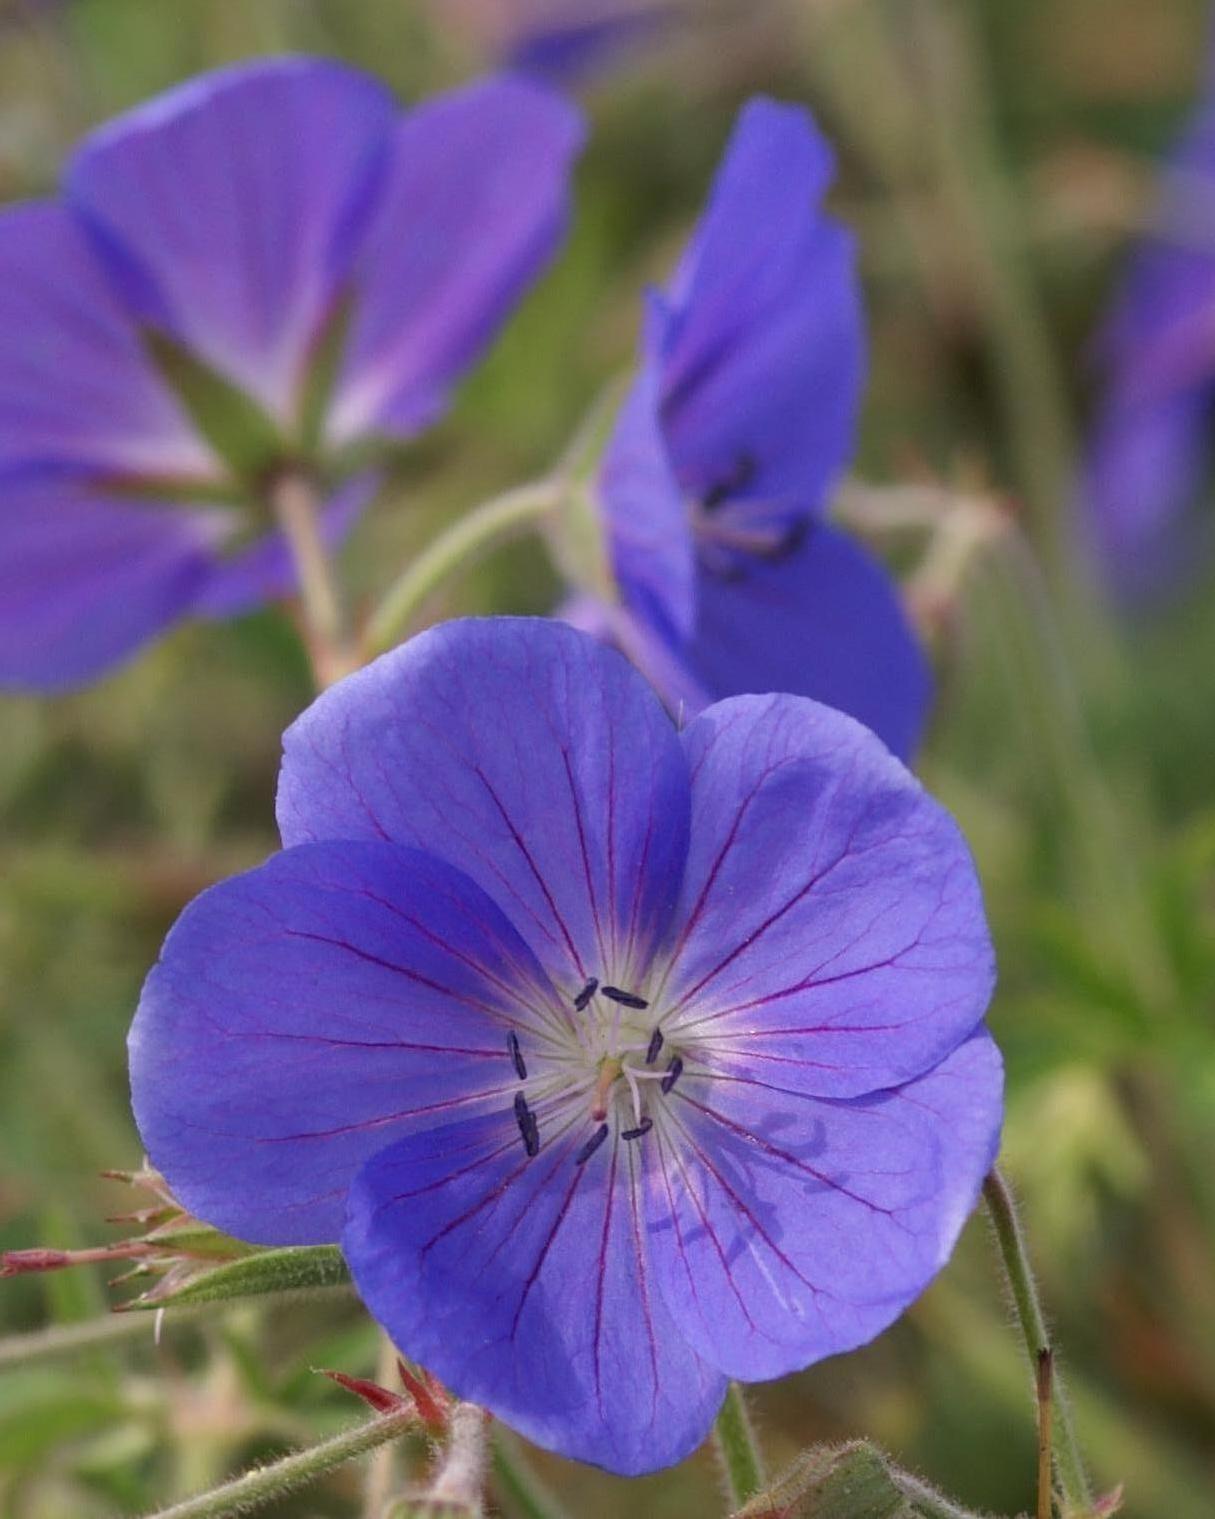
1150 449
621 1060
234 229
561 40
743 415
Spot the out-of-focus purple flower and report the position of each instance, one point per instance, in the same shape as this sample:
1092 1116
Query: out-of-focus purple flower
1150 449
248 218
561 40
622 1060
743 414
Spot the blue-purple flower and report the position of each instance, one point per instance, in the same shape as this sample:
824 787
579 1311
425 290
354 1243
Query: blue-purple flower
1150 450
561 40
250 220
622 1060
742 416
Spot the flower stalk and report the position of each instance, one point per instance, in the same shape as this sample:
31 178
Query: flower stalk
738 1449
267 1483
1068 1464
295 502
485 527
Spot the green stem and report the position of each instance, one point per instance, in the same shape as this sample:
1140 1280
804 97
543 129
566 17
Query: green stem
483 528
268 1483
70 1339
523 1493
296 505
737 1448
1069 1466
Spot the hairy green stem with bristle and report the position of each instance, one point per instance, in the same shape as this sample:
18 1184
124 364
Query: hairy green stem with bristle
738 1449
245 1494
1069 1466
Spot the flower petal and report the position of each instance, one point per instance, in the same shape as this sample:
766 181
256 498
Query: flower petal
472 208
76 388
763 353
523 1284
228 209
1147 459
785 1229
824 620
85 580
305 1015
834 941
527 755
649 534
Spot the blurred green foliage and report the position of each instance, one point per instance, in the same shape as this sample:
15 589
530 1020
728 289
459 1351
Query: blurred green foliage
996 159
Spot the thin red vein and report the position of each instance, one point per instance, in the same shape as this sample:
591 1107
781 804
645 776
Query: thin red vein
531 864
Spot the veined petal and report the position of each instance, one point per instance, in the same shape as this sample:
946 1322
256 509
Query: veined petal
527 755
86 579
305 1015
228 210
523 1283
76 387
648 529
824 620
787 1228
763 353
473 205
833 939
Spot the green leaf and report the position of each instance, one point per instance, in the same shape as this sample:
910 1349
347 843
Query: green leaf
848 1482
241 433
299 1268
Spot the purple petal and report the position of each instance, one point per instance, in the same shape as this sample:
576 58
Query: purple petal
763 347
307 1014
1146 462
76 388
785 1228
471 211
824 620
228 210
527 755
524 1285
834 941
646 515
265 570
85 580
575 42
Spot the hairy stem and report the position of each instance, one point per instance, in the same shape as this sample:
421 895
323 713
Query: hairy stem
1068 1464
738 1449
245 1494
485 527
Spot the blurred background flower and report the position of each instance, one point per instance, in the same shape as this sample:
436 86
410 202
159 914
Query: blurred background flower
169 324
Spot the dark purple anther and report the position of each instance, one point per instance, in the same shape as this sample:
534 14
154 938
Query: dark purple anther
643 1127
626 999
674 1071
516 1054
654 1048
528 1129
585 995
592 1144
